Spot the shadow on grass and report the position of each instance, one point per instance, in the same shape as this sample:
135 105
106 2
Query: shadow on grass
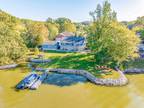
72 61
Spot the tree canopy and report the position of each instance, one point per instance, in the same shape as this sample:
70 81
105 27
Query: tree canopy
12 47
35 34
110 42
53 30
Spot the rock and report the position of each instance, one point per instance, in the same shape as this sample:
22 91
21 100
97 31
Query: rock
134 71
99 81
8 66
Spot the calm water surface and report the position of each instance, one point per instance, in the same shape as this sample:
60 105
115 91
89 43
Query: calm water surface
80 95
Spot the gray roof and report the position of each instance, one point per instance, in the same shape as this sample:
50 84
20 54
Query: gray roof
75 39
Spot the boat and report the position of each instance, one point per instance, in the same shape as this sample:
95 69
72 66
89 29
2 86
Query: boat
39 81
27 81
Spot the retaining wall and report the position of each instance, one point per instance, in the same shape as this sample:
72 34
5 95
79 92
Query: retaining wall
122 80
8 66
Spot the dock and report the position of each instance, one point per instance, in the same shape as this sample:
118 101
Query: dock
39 81
32 81
27 81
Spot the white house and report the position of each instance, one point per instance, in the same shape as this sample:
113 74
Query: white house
72 43
66 41
51 45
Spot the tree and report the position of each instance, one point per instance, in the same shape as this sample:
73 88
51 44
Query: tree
69 27
5 17
110 42
81 29
61 21
140 20
142 34
50 20
35 34
12 47
53 30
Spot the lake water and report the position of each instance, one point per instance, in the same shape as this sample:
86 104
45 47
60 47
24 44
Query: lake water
77 95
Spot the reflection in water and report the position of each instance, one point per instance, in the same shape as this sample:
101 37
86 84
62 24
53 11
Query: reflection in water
64 79
77 95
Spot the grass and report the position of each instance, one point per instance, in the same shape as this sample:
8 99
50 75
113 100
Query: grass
65 60
69 60
74 61
138 63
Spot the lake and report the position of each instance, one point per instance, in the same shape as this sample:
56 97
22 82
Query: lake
77 95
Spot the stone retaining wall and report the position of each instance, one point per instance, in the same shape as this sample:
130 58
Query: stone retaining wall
8 66
134 71
40 60
122 80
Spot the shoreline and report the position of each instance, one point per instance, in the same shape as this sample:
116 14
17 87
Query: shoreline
121 81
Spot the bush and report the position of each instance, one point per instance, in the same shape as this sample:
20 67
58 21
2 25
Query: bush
5 61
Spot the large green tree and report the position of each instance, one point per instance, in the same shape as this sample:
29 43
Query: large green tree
65 24
12 47
53 30
35 34
81 29
69 27
110 42
140 20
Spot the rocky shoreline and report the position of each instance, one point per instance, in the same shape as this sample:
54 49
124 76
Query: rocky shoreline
8 66
122 80
40 60
134 71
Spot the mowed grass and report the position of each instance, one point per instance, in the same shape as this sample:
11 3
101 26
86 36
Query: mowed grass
81 61
69 61
138 63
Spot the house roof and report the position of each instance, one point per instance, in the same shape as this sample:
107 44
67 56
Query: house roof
65 34
74 39
49 43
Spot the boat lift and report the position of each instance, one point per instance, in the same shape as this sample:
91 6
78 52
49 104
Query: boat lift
32 81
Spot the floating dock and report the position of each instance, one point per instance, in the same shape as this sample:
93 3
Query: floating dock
37 83
27 81
32 81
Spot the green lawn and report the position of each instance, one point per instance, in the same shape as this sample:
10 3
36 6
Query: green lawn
73 61
138 63
69 60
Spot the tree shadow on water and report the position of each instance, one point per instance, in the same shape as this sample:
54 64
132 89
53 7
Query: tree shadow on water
64 79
